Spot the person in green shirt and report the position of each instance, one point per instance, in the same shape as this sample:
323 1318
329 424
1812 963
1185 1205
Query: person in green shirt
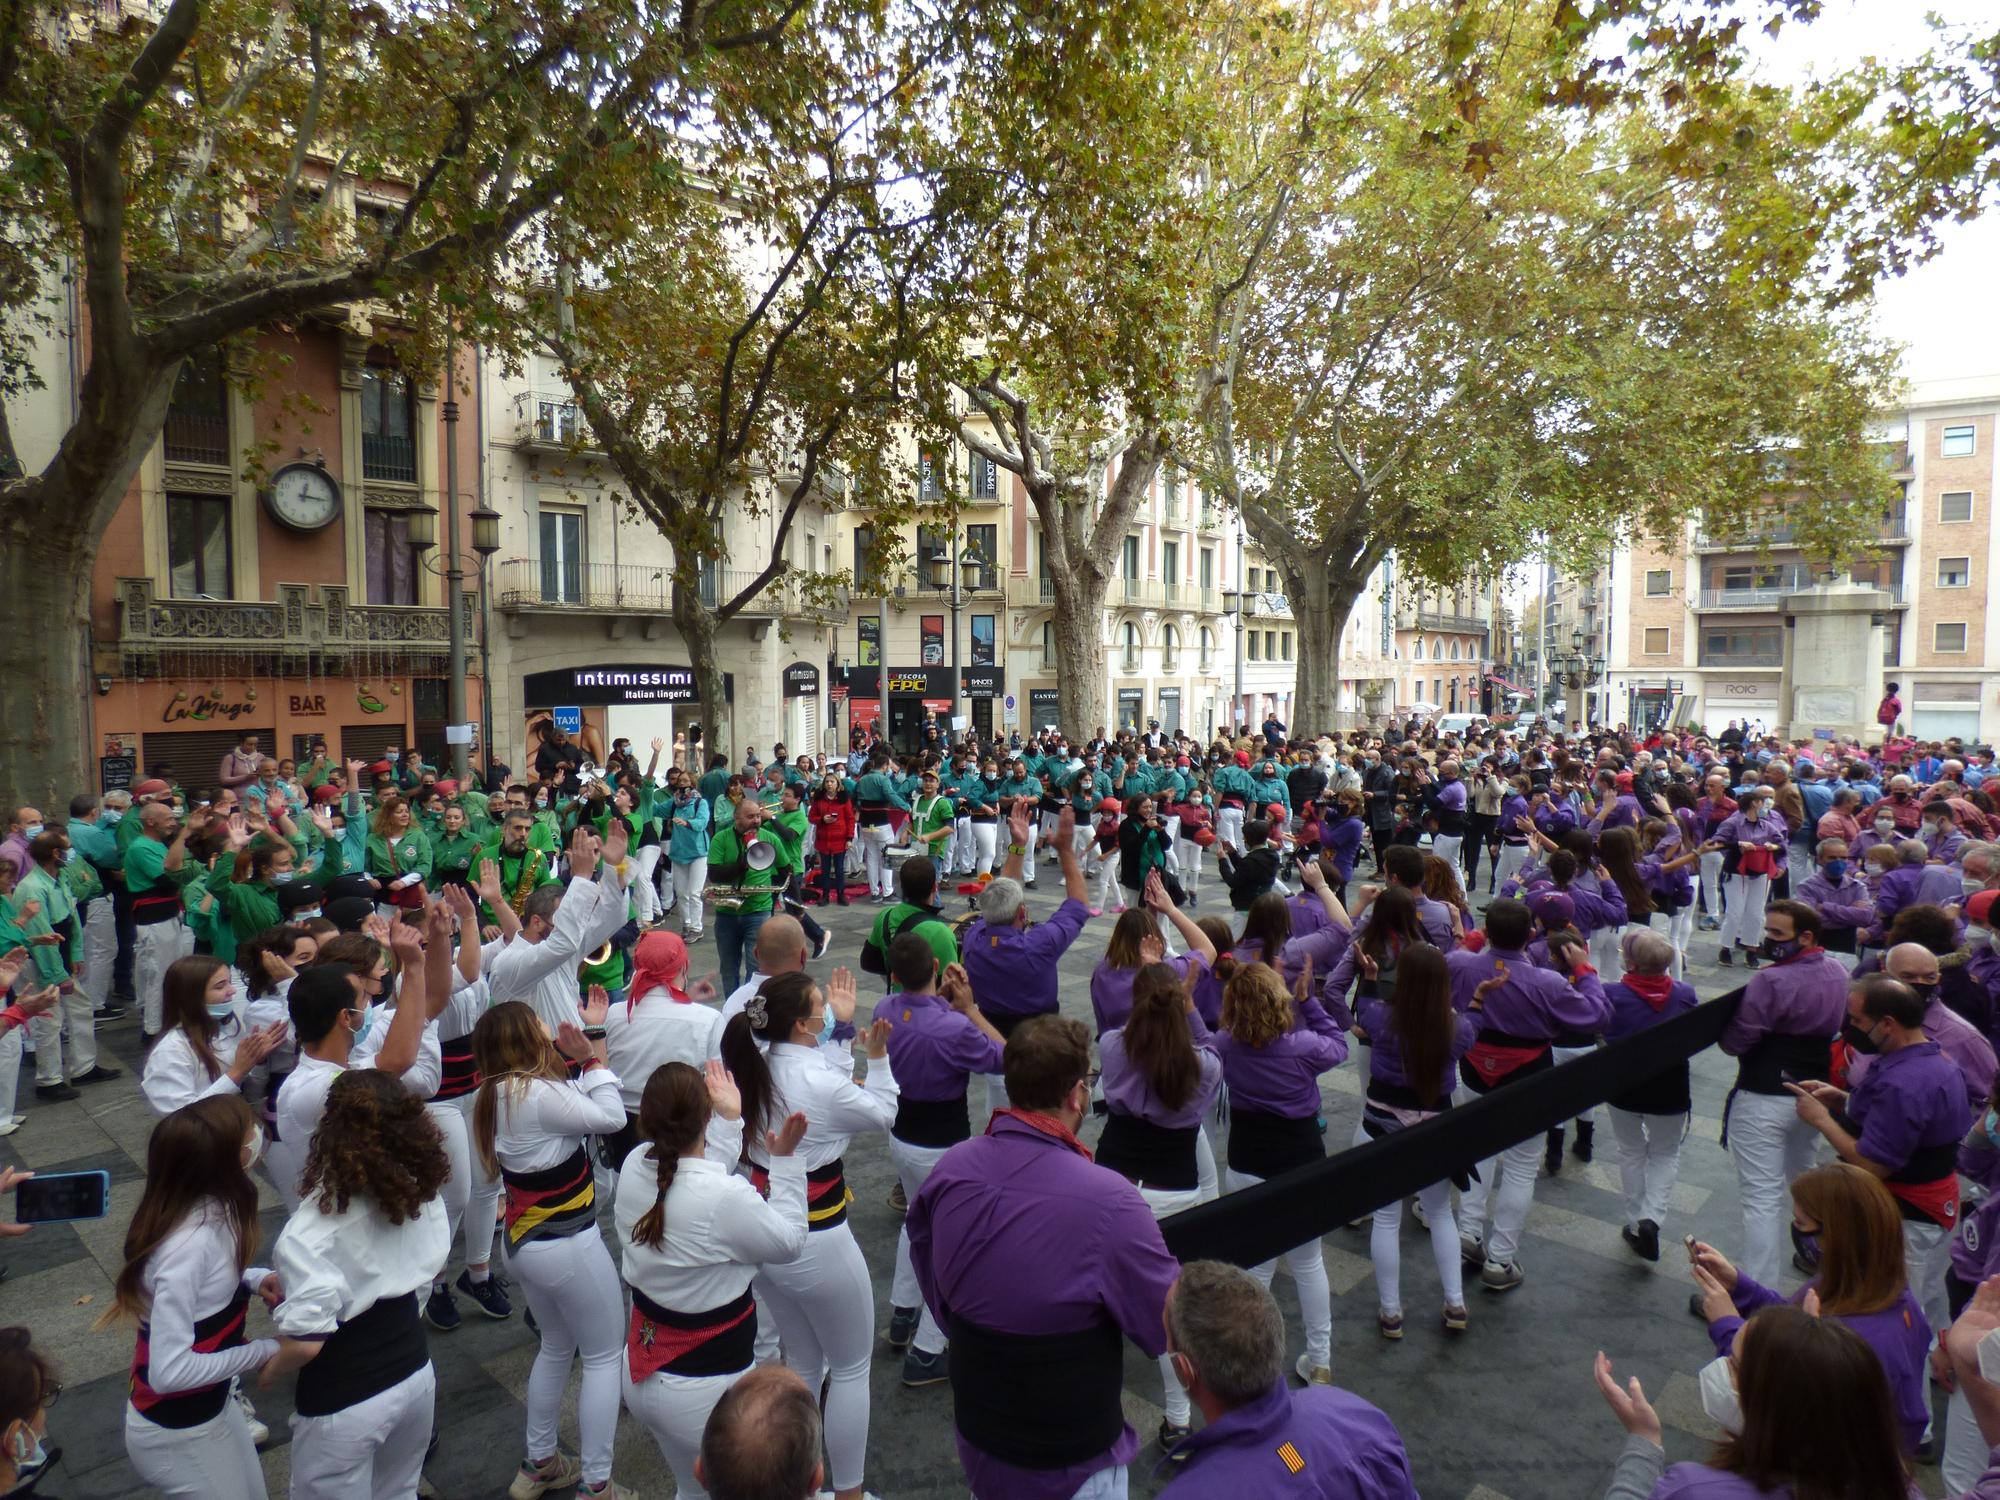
875 794
933 822
245 883
156 866
44 908
738 917
916 912
522 867
454 849
399 855
714 779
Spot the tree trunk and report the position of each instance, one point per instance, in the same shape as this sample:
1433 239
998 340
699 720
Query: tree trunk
45 676
1321 600
1080 650
699 627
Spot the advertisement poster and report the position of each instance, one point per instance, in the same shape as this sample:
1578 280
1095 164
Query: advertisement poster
869 629
932 631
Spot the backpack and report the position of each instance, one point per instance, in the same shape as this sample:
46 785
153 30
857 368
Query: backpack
875 960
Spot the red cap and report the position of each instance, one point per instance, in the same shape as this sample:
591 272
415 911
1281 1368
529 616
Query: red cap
1980 908
1110 805
379 767
1181 760
152 786
1624 781
1274 812
447 788
1243 759
326 793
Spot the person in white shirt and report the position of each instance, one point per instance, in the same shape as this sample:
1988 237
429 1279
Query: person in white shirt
369 1234
781 948
660 1022
187 1282
692 1234
531 1128
340 1028
823 1302
206 1047
559 925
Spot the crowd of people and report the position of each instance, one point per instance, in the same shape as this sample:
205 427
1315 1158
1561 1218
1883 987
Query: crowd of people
439 1014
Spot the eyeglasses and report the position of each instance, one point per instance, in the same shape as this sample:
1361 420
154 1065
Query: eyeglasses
51 1393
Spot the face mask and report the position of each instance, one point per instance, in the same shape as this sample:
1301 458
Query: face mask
223 1012
1836 870
110 816
1859 1038
255 1149
305 913
69 855
1806 1243
1718 1395
28 1454
1775 949
1884 827
281 877
826 1025
1991 1125
31 830
367 1020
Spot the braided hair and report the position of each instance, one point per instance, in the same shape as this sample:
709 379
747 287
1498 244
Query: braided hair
780 1003
673 1115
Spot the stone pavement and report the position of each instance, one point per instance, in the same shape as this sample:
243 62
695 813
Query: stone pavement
1506 1411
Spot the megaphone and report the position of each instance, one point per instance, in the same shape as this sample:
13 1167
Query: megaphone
588 775
760 855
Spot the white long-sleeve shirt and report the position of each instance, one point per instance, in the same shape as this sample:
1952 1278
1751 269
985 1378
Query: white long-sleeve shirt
174 1075
302 1100
192 1275
540 1121
718 1229
655 1030
334 1266
810 1079
543 974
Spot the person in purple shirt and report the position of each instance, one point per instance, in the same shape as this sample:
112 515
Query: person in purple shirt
1753 841
1447 802
1416 1039
1852 1220
1519 1018
1207 986
1649 1120
1161 1074
1516 821
1274 1045
1782 1031
1915 881
1941 834
1839 895
1134 943
1324 936
937 1040
1260 1438
1965 1044
1394 927
1404 866
1902 1122
22 829
1341 832
1012 966
1616 806
1039 1264
1975 1259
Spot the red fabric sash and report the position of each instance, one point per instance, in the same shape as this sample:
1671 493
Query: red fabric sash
650 1347
1936 1201
1493 1061
1048 1125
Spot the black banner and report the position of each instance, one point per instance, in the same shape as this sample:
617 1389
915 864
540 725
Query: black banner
637 682
981 682
1255 1225
801 680
1042 710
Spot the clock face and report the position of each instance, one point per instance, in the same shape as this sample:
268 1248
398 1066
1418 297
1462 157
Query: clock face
303 496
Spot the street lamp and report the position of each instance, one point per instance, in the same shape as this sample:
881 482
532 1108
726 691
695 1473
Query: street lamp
485 542
1234 602
952 574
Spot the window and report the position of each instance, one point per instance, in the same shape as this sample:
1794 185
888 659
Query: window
1207 568
1955 505
1270 645
388 426
1131 647
1659 581
1252 640
1954 572
197 425
1757 646
1170 567
1958 442
933 558
866 574
1418 653
1949 638
1658 640
982 640
1285 643
1131 557
1170 648
1454 649
1207 647
983 542
928 480
1048 644
198 546
985 478
392 561
562 556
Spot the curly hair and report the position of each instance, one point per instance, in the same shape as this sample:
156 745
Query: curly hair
1256 1006
375 1141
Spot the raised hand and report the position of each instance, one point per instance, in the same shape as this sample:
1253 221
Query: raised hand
377 927
840 995
489 882
437 921
1066 828
1017 821
1491 983
1302 991
1155 893
11 1178
956 987
582 854
1627 1402
596 1006
723 1096
658 744
703 988
407 943
785 1139
1369 968
617 842
1312 876
573 1044
322 819
878 1038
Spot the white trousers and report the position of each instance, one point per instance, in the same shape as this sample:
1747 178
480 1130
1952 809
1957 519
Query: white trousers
1165 1204
470 1197
1229 826
67 1028
1649 1159
874 840
100 950
1512 857
1926 1257
579 1304
1307 1263
690 880
645 900
1772 1145
962 846
674 1409
212 1461
1965 1455
1506 1189
1565 1054
1035 839
154 949
1109 896
1605 954
1386 1250
1189 855
1446 846
373 1450
1045 830
10 1071
913 1167
1711 884
1680 932
985 844
1743 921
824 1305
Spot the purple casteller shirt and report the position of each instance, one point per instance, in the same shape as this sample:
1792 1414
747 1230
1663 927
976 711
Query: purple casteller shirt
1282 1076
932 1048
1127 1092
1345 1448
1530 1002
1631 1012
1960 1041
1909 1099
1845 905
1386 1061
981 1229
1111 988
1805 995
1013 971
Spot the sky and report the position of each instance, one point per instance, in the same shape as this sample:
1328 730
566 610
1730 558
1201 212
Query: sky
1946 311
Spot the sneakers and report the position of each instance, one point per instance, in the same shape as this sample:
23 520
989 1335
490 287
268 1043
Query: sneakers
259 1433
1708 924
440 1311
1585 1131
108 1013
10 1124
1471 1250
98 1074
899 1201
609 1490
1420 1213
1310 1373
1644 1238
1750 959
556 1472
486 1295
1118 910
921 1369
1552 1158
1391 1324
1095 911
55 1093
902 1326
1723 957
1455 1319
1171 1434
825 942
1496 1277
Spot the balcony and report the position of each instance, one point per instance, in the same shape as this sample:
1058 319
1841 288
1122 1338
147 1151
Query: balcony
1430 619
307 627
537 585
829 483
1136 590
551 422
1765 537
1030 593
387 457
196 437
1768 596
1747 659
1211 518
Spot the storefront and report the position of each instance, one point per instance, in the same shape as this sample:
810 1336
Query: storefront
187 724
898 701
1742 699
636 701
1132 708
1942 710
1044 710
803 713
1170 710
981 688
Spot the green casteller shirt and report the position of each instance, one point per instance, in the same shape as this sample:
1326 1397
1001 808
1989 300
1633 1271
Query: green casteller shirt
540 872
713 783
934 816
728 865
880 788
934 929
250 906
790 827
452 854
146 867
207 917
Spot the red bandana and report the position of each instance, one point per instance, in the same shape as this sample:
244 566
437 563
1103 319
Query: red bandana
1048 1125
1651 988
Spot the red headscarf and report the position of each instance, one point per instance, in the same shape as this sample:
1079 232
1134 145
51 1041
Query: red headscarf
659 962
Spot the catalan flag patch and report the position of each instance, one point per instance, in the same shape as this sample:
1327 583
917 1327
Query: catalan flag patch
1291 1459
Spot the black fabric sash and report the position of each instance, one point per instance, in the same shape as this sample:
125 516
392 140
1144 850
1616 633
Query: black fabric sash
1258 1223
370 1352
1761 1070
1038 1401
932 1122
460 1073
1268 1145
1150 1155
222 1329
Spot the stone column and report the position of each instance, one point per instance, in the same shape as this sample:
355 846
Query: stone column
1832 676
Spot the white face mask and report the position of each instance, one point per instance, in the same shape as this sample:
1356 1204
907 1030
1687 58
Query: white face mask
1885 826
255 1150
1718 1393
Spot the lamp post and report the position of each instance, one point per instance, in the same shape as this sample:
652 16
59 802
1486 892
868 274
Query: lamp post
1234 604
454 573
485 542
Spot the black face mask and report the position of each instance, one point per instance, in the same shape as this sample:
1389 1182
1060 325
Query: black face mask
1926 991
1858 1039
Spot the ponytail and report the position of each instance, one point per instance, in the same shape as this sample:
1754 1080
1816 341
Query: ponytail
780 1003
673 1114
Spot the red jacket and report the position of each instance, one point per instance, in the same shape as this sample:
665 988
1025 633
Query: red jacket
832 824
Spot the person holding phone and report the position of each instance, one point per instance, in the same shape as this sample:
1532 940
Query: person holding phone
187 1282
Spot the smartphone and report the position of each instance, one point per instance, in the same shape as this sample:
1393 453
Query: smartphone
1689 1241
62 1195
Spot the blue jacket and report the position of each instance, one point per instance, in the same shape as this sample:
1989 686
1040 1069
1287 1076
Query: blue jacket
691 842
